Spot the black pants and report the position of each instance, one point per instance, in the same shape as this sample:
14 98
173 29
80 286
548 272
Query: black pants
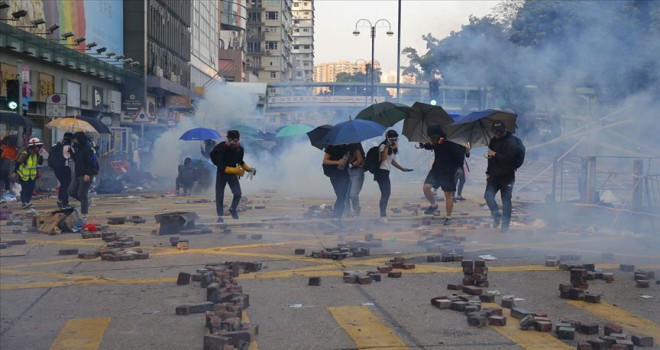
63 175
382 177
222 179
27 187
505 186
340 182
79 190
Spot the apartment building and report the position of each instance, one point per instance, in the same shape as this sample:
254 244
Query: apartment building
204 42
269 40
327 72
303 40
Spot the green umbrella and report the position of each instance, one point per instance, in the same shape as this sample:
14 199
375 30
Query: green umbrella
294 130
385 113
244 129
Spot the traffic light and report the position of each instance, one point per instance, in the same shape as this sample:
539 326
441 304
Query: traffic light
13 94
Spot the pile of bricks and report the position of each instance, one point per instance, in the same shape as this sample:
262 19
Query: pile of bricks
224 305
475 277
116 220
613 338
369 242
357 277
137 219
578 288
344 250
118 254
642 277
319 212
471 307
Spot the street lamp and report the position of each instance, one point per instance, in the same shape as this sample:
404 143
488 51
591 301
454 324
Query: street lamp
373 27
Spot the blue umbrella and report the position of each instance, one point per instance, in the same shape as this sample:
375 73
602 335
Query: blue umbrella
353 131
200 134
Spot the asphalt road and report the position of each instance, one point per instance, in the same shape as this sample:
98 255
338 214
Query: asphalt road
49 301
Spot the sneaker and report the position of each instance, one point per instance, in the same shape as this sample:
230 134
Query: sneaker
447 222
220 219
26 205
460 198
234 213
496 221
505 228
431 209
60 205
454 199
383 220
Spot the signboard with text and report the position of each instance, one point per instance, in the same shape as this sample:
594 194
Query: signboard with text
288 101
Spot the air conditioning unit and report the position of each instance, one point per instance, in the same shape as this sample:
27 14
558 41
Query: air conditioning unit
171 76
158 71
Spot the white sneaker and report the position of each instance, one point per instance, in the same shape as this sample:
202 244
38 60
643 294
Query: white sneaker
383 220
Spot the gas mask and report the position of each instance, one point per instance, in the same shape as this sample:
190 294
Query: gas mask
499 130
234 143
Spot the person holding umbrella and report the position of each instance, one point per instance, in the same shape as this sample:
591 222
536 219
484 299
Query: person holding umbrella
228 157
85 168
387 151
335 166
448 157
505 154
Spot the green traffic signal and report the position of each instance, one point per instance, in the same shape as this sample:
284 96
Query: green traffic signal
13 94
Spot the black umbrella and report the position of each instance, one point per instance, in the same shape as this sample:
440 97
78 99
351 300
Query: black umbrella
421 117
384 113
317 136
96 123
475 127
11 118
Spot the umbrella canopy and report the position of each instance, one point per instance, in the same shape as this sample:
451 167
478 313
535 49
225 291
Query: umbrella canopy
384 113
294 130
244 129
353 131
96 123
317 136
11 118
200 134
421 117
475 127
72 125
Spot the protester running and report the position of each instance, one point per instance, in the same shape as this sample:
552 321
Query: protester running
387 152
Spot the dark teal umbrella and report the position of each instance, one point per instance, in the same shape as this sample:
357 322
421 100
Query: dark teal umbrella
294 130
385 113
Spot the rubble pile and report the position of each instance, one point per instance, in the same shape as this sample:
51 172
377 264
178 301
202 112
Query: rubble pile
449 248
118 247
349 249
318 212
224 305
578 289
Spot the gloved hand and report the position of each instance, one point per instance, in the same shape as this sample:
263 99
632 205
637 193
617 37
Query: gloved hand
234 170
253 171
407 170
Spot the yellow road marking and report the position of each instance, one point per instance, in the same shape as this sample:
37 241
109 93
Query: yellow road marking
253 343
365 328
526 339
81 334
630 322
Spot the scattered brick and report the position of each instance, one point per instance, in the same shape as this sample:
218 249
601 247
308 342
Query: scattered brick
566 333
299 251
364 280
182 310
454 286
526 322
587 328
241 236
592 298
610 328
642 340
441 302
624 344
394 274
507 301
314 281
458 305
519 313
477 320
487 298
495 320
472 290
183 278
257 236
642 283
68 252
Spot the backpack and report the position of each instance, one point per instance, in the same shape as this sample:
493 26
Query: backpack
95 163
56 156
519 156
372 161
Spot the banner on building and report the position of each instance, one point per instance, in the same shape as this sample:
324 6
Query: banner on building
178 101
56 105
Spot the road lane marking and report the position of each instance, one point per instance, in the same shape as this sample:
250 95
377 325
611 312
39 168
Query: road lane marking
253 343
81 334
526 339
365 328
632 323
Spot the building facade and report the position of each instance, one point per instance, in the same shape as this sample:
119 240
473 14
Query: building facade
327 72
232 58
269 40
303 40
204 30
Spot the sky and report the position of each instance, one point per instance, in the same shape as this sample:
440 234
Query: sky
336 21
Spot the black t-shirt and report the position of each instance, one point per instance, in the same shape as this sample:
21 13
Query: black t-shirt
335 153
224 155
448 157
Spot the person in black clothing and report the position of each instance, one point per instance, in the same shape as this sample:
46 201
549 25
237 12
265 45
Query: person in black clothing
83 159
461 176
500 174
58 161
187 176
449 157
335 166
387 151
228 157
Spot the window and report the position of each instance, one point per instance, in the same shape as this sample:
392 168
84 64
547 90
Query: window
271 45
296 47
306 47
254 17
273 75
272 15
306 30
